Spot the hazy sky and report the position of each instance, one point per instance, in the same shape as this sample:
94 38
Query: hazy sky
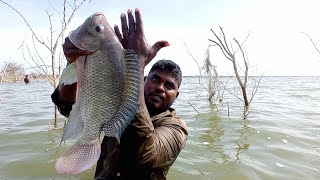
275 46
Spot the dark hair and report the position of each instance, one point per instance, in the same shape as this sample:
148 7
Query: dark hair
168 66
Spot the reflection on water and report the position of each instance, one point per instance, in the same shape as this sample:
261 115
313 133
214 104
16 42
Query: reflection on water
279 139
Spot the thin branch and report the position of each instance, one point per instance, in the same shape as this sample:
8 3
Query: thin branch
228 109
225 84
193 107
243 42
37 52
245 62
255 88
245 114
24 58
313 43
37 63
64 14
24 19
216 43
65 27
61 19
34 57
234 95
224 38
197 64
222 45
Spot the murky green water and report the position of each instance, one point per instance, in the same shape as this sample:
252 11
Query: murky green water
279 140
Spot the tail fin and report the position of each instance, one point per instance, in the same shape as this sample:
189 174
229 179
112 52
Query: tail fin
79 157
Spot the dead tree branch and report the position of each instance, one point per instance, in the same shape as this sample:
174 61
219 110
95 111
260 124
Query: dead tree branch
190 54
231 56
27 23
315 44
255 88
193 107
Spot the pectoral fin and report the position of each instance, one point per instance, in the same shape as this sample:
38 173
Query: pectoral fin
69 74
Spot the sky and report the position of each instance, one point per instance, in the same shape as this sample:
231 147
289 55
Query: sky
276 45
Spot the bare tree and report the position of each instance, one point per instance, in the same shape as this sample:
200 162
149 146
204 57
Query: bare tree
209 70
230 54
56 37
11 71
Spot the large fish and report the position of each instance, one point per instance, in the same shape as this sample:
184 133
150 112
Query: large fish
107 94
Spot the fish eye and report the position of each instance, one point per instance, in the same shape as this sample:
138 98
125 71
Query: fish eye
99 28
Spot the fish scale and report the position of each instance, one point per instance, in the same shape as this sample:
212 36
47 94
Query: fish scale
107 96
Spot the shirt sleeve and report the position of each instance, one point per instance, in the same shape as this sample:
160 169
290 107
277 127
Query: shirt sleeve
160 144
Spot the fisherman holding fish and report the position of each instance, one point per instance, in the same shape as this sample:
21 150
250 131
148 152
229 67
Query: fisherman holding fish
152 141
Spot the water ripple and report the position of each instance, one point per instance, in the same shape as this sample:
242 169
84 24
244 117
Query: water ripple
280 139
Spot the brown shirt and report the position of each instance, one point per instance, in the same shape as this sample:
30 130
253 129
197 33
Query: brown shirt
148 148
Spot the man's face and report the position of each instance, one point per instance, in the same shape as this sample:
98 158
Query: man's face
160 91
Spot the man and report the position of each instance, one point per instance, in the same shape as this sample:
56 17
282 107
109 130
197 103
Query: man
154 138
26 79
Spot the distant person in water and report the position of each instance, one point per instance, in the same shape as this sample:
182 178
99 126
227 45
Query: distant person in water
26 79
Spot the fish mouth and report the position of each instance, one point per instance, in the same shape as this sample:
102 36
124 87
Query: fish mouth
73 40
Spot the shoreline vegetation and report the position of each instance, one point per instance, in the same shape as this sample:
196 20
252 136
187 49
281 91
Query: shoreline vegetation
44 78
13 79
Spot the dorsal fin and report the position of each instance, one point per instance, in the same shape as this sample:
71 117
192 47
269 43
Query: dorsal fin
128 108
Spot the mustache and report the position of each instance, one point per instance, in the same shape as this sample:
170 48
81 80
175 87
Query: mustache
158 94
161 97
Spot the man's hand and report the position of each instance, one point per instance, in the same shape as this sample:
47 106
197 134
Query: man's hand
132 37
72 52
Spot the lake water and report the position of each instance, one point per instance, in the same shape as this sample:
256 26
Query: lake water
279 139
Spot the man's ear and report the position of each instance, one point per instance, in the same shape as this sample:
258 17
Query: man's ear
177 94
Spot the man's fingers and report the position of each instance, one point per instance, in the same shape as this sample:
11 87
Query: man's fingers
158 45
117 31
131 22
156 48
124 25
139 24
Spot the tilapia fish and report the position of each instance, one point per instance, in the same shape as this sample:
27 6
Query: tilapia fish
107 93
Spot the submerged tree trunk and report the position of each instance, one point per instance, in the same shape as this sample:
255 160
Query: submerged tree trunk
56 115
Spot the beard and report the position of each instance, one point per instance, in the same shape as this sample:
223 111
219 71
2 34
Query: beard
155 110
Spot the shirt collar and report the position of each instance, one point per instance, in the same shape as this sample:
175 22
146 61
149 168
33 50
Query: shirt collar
163 114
